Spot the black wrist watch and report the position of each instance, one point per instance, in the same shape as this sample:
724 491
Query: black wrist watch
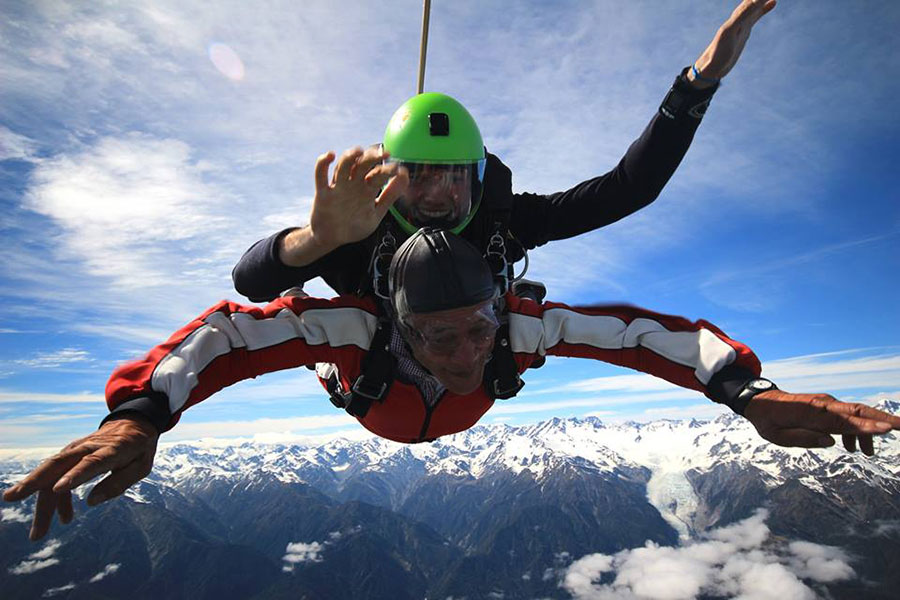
751 389
684 99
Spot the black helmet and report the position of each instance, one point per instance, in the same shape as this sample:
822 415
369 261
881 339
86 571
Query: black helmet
436 270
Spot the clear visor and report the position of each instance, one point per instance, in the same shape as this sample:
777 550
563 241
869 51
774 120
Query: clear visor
445 334
440 196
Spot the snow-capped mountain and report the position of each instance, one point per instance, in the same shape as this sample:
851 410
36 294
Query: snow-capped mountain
493 508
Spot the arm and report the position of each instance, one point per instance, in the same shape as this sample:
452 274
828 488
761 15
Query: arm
809 420
652 159
694 355
345 212
146 397
230 343
634 183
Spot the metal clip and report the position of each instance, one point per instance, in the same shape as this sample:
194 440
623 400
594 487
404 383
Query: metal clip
381 264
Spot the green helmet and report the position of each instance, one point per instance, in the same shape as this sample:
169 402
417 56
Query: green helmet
437 140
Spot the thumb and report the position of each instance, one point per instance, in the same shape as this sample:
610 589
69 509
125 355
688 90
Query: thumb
799 438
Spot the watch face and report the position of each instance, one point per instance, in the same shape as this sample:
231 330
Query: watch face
761 384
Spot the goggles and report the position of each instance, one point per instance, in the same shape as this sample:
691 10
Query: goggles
443 336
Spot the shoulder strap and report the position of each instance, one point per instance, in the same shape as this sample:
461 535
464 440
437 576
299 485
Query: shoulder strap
501 375
377 373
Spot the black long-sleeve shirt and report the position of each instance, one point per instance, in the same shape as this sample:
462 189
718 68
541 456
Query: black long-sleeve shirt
534 219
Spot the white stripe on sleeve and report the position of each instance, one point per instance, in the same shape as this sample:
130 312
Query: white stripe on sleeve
701 350
177 373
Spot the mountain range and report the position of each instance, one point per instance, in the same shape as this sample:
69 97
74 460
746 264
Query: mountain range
493 512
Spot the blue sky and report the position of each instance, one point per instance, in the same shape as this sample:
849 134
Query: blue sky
139 159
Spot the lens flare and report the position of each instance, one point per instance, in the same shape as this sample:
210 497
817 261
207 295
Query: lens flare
226 61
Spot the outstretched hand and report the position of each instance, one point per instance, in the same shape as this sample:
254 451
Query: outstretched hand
809 420
361 191
726 47
125 448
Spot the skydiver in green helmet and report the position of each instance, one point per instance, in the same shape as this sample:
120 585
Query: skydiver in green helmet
433 170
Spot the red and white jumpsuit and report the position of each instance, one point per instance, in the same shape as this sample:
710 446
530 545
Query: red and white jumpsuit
230 342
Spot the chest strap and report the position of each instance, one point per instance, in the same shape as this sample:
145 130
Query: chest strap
501 375
376 375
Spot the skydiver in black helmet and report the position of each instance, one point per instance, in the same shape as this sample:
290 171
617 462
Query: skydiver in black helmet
454 339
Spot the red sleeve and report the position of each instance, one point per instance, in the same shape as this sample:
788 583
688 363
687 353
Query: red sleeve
686 353
230 342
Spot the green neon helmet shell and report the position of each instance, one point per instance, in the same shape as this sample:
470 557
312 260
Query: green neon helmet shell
436 138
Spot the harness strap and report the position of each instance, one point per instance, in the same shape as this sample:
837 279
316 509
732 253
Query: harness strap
377 374
501 375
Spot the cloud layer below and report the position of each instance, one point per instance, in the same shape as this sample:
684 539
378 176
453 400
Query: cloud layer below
737 561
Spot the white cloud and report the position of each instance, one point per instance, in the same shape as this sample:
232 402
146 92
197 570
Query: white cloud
107 570
300 552
53 360
15 146
14 515
27 567
739 560
286 427
123 201
41 559
887 528
50 592
9 397
836 371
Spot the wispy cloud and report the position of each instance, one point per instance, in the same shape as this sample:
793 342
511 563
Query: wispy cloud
41 559
734 561
107 571
738 288
14 515
15 146
289 426
54 360
8 397
300 552
50 592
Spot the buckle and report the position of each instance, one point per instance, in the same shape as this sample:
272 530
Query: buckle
338 400
372 391
507 393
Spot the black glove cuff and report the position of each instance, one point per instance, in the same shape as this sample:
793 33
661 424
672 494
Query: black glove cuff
684 99
726 386
154 408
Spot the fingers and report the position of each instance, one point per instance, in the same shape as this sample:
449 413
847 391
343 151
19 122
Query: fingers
799 438
64 507
94 464
369 159
853 418
345 164
867 445
849 442
43 514
753 10
118 481
46 475
321 172
865 412
395 188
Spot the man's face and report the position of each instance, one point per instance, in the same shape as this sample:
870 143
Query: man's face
437 196
455 345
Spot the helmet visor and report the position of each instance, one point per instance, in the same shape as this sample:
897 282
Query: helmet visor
440 195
